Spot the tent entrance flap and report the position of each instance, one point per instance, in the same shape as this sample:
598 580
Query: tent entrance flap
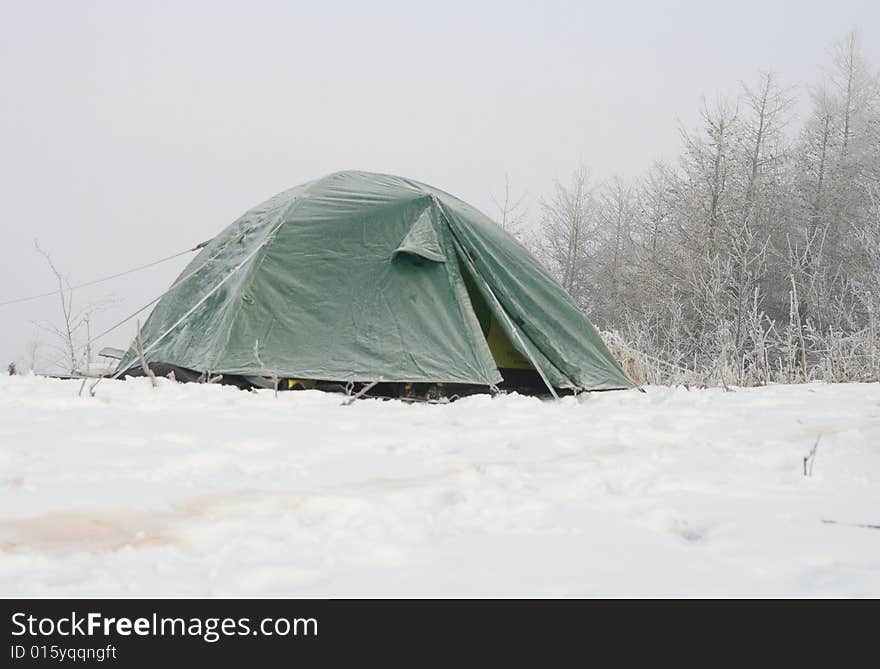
505 354
471 269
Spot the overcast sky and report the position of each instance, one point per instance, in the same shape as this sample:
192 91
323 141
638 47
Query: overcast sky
132 130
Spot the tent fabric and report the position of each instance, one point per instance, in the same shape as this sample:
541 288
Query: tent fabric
357 276
421 240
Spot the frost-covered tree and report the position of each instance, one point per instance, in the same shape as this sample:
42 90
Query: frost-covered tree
511 209
616 209
754 257
569 233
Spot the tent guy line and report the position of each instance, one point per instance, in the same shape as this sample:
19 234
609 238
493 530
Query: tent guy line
175 285
93 282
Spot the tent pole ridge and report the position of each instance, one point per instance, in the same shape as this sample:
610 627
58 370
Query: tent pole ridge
510 323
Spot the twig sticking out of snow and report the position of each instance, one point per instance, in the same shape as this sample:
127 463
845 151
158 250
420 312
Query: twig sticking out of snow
140 351
273 376
360 393
811 458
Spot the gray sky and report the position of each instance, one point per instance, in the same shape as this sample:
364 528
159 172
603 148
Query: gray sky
132 130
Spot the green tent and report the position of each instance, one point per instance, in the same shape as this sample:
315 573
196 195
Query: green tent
357 276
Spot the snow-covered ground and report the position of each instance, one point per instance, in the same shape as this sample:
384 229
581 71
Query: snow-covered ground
208 490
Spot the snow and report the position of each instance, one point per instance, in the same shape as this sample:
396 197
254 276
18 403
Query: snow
207 490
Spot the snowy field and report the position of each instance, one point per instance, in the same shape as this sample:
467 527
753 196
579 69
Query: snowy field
208 490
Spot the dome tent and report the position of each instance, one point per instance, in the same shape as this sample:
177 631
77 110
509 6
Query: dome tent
360 276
